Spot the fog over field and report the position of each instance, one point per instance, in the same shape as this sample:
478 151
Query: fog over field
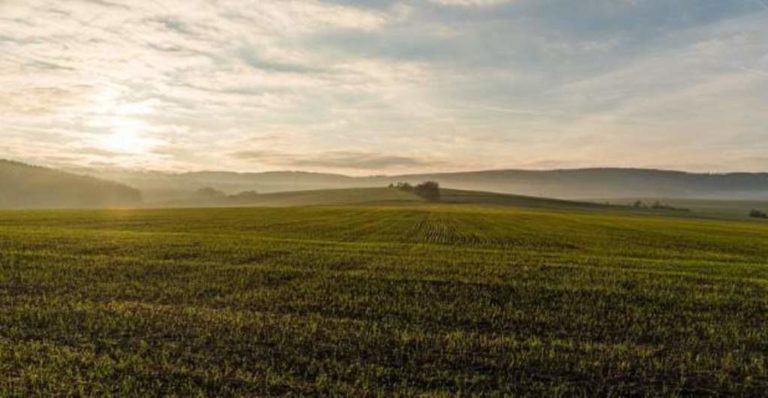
30 186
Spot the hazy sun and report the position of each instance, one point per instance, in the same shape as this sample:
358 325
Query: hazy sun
126 137
123 141
125 129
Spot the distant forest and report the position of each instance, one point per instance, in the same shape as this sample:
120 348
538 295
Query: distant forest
24 186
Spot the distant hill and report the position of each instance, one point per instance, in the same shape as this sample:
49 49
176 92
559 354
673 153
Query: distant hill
604 183
164 187
607 183
25 186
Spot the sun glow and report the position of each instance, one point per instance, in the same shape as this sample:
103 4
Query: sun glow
123 141
124 125
126 137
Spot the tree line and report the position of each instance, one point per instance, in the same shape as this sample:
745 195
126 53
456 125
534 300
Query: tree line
429 190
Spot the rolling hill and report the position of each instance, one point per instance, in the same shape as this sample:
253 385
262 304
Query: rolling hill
25 186
604 183
607 183
388 196
174 187
324 197
456 196
728 209
29 186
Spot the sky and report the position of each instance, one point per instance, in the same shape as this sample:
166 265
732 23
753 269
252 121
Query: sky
385 86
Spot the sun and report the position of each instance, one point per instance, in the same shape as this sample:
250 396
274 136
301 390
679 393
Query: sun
126 137
124 141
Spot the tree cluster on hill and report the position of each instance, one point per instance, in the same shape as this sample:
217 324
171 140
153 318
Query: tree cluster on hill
209 193
657 206
25 186
754 213
429 190
213 195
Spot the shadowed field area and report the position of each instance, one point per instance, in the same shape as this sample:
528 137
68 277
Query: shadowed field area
380 300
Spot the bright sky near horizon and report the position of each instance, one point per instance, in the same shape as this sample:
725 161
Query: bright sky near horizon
385 86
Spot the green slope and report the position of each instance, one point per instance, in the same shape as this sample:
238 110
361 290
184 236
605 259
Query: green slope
698 209
324 197
336 197
731 209
391 196
492 198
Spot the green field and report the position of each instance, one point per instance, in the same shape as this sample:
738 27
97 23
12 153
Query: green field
723 209
322 197
378 196
385 299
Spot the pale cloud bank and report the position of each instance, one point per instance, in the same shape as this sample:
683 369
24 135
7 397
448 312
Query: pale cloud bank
374 86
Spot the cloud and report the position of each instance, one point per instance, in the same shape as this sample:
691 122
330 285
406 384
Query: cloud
249 56
328 84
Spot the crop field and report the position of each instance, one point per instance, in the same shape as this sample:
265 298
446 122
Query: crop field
722 209
381 300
